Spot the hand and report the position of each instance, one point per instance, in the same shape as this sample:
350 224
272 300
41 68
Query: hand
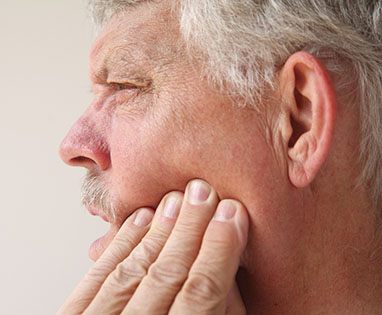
180 260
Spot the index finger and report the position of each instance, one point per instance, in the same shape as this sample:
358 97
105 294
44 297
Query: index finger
127 238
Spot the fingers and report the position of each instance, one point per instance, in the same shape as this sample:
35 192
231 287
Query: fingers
183 262
167 274
213 273
129 235
121 284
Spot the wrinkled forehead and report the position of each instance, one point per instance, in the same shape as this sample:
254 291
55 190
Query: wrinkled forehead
146 32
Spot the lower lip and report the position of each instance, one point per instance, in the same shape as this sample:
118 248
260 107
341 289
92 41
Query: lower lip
99 246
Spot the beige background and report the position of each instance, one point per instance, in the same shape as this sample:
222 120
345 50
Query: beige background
44 232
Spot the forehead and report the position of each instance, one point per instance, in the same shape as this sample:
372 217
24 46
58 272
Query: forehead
147 32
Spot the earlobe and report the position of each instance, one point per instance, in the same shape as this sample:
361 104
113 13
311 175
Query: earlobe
310 106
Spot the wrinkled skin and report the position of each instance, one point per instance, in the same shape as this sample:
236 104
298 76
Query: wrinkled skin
170 262
156 123
147 143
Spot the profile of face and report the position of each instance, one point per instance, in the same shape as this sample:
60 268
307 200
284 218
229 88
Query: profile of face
156 123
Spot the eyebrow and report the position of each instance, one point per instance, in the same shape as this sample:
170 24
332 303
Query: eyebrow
117 63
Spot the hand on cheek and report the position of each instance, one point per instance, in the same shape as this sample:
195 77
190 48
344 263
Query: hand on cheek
184 261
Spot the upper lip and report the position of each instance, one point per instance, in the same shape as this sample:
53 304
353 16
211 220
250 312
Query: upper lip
98 212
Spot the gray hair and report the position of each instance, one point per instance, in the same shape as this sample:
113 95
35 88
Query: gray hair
244 43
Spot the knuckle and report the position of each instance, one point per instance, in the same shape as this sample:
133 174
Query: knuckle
146 252
188 230
120 248
121 243
129 268
125 278
202 289
225 241
170 271
138 262
98 272
156 237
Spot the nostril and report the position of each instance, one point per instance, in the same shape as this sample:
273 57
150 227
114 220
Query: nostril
81 161
85 150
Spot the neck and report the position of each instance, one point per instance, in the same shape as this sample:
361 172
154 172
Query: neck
324 257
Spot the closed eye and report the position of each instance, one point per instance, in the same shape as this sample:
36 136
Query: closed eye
122 86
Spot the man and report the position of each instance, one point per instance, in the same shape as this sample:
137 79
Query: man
268 116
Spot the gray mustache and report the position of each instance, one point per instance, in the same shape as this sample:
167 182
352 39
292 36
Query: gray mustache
95 193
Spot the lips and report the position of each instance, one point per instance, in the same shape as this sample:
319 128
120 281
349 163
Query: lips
99 213
99 246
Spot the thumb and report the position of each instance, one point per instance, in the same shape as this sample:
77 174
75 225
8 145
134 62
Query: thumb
235 304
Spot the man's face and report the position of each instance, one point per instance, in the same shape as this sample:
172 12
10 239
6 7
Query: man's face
156 123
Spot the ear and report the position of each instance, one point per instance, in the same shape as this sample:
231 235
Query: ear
309 105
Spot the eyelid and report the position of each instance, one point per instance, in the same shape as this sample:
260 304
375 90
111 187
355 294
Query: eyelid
107 87
110 86
133 82
122 86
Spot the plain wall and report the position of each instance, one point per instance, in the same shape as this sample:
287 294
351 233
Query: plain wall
44 231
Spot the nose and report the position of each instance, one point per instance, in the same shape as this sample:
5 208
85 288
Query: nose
85 146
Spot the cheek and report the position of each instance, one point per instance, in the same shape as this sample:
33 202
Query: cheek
141 162
156 153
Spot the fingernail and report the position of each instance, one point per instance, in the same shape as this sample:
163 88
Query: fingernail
198 192
225 211
143 217
171 208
